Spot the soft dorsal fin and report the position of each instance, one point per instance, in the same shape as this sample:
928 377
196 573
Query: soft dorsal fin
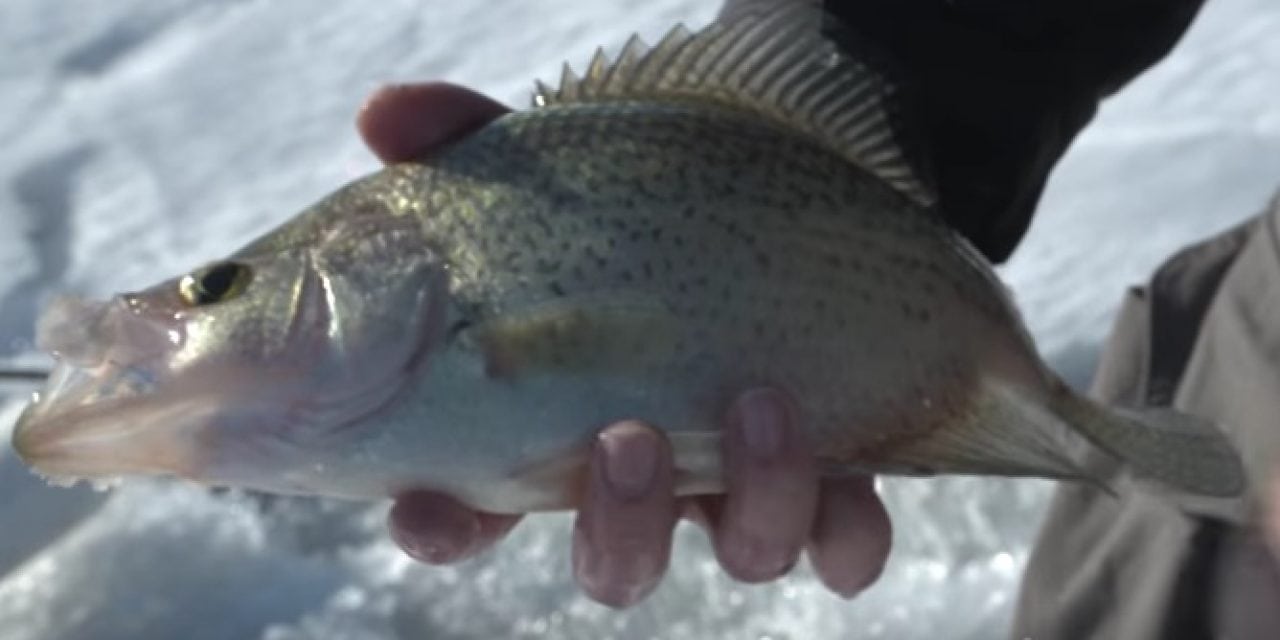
771 59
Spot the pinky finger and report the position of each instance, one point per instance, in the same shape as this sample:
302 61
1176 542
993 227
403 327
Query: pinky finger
851 536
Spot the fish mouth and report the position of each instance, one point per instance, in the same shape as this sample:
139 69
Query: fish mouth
70 432
102 412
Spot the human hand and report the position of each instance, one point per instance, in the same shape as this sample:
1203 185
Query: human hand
776 505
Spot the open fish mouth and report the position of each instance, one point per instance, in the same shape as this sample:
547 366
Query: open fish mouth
101 411
103 423
72 387
106 351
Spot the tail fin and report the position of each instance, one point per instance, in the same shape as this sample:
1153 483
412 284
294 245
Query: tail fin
1179 450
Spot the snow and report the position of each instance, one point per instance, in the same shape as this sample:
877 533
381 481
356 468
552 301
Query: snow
142 136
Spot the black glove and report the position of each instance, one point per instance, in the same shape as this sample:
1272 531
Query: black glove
1001 87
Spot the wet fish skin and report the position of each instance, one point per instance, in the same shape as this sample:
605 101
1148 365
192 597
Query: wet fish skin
467 323
750 272
769 253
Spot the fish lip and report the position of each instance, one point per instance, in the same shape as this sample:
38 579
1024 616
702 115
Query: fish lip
84 437
71 446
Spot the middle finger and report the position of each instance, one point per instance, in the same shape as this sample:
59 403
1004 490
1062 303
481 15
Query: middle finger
772 488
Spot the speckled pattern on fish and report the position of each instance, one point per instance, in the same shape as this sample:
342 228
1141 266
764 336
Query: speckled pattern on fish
728 208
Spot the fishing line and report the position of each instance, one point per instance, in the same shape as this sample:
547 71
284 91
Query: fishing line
23 375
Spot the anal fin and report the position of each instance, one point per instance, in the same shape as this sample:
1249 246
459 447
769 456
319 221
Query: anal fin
1005 433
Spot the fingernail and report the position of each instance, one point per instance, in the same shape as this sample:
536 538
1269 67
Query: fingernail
755 560
763 416
630 460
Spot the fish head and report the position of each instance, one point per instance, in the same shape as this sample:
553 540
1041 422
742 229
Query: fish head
244 370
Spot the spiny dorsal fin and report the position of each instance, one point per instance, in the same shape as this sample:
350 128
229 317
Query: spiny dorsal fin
625 66
771 59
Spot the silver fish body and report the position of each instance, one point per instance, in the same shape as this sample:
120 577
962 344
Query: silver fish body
467 323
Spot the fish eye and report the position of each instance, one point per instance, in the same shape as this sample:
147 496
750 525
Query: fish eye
215 283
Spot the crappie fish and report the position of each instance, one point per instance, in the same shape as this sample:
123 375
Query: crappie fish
728 208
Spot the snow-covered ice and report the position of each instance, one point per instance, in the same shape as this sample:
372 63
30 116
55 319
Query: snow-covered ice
144 136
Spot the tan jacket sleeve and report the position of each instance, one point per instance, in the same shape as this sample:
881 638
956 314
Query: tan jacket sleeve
1204 336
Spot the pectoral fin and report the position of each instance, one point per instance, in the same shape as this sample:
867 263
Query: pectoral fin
585 333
